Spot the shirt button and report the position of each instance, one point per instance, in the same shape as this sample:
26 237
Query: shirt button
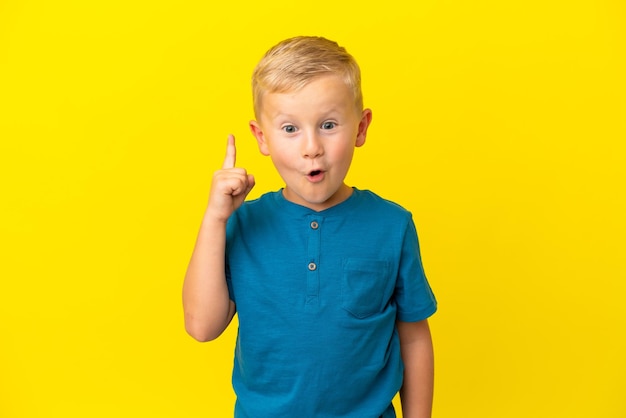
314 225
312 266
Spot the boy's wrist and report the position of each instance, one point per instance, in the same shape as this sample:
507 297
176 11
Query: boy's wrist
212 220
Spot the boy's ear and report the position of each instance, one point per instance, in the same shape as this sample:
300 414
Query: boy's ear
366 119
256 130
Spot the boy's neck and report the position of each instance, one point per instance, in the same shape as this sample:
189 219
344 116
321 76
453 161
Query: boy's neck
340 196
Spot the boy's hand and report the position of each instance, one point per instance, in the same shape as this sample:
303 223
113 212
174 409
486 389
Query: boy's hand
230 186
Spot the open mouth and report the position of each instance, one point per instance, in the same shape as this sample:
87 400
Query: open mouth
316 176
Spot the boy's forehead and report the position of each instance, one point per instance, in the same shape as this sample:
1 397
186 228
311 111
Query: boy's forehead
331 87
324 94
294 84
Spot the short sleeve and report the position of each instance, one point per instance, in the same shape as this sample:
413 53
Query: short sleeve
413 296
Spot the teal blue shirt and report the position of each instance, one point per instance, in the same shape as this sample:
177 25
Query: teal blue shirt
318 295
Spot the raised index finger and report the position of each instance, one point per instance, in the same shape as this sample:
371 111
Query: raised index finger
231 153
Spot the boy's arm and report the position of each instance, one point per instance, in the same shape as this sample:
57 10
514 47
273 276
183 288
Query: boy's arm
207 305
416 347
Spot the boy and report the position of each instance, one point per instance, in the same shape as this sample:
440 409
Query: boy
326 279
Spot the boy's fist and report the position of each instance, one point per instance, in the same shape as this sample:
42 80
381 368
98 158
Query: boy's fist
230 185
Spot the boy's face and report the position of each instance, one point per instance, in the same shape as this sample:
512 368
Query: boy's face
310 134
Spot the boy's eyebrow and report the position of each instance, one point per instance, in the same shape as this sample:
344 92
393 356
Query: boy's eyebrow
331 111
285 117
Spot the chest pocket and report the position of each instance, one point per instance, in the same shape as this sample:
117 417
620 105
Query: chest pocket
365 284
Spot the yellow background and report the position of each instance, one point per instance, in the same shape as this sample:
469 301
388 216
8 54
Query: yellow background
499 124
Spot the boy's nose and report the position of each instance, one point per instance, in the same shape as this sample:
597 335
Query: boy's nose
312 146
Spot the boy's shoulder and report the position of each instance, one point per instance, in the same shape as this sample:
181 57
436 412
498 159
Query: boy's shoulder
373 207
265 200
370 197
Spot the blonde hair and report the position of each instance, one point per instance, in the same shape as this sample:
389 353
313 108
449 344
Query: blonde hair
294 62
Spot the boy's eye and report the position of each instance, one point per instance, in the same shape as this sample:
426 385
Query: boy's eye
289 129
328 125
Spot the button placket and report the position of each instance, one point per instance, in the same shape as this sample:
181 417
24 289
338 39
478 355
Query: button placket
313 280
